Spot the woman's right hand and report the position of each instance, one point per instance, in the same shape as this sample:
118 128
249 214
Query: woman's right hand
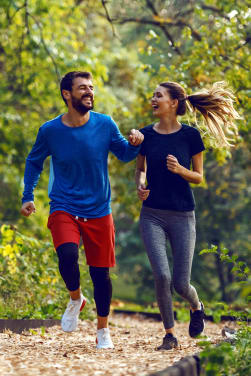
143 193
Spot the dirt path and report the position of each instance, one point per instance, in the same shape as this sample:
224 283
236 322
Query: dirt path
57 353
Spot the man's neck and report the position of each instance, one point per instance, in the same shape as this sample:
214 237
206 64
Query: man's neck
75 119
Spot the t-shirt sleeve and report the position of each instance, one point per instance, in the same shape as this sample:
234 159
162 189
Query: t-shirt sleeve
196 143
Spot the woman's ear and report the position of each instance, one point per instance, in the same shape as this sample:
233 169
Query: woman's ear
175 103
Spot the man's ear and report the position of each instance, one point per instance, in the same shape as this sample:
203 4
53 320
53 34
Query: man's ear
66 94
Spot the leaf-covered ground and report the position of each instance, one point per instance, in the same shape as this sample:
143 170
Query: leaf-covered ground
53 352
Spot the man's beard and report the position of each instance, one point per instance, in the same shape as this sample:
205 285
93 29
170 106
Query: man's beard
79 106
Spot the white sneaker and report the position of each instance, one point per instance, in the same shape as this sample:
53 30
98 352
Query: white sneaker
69 321
103 339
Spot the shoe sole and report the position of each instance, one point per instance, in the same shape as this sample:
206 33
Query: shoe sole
108 347
100 348
164 349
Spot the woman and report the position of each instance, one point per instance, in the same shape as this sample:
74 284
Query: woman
168 150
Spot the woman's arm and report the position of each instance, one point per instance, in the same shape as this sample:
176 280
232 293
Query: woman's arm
140 177
193 176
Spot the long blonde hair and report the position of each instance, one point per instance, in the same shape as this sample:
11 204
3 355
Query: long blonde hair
215 105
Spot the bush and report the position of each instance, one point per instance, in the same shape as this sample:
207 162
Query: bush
228 359
234 357
30 283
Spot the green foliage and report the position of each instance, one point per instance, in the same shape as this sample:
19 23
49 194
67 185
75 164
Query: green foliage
227 359
183 314
30 284
230 358
217 310
240 268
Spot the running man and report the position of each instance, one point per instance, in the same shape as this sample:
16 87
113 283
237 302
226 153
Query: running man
78 143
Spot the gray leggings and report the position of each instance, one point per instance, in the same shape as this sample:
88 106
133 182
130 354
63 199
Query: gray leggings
179 227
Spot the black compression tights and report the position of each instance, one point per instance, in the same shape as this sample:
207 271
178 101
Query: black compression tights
102 289
69 270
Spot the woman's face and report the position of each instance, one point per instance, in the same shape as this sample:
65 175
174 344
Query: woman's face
162 103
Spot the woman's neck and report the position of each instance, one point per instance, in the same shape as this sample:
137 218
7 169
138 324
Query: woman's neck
167 125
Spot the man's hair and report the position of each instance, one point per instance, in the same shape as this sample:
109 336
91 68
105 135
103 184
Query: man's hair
67 81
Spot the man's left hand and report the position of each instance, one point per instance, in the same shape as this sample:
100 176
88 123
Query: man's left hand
136 137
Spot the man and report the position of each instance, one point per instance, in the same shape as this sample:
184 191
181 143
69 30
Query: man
79 142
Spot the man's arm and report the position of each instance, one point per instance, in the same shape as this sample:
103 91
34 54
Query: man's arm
136 137
33 169
123 149
28 208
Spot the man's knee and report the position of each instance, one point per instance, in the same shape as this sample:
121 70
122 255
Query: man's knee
99 276
67 253
102 289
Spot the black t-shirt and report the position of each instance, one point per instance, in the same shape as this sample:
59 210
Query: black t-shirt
169 191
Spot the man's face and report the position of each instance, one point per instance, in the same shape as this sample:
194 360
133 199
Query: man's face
82 95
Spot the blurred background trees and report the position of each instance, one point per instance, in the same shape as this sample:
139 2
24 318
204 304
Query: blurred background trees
130 46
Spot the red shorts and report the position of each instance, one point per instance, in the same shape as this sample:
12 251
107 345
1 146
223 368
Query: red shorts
97 233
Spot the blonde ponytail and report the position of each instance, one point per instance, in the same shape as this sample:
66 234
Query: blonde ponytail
216 106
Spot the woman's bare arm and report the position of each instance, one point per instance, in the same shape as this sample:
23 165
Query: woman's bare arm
193 176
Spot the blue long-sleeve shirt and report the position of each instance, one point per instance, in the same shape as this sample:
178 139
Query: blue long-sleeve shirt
79 181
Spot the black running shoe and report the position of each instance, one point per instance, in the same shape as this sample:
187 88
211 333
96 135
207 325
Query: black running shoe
169 342
196 325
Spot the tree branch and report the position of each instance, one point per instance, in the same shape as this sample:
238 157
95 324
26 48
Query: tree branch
27 17
10 18
215 10
45 46
247 41
179 23
163 27
104 2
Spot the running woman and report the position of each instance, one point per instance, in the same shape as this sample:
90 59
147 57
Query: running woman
167 152
79 142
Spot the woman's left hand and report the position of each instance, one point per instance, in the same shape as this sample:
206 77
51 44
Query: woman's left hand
172 164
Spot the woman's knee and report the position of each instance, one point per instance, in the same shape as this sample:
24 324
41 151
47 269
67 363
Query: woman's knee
163 281
181 287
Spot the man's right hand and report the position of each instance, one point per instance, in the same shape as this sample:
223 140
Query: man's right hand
28 208
143 193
